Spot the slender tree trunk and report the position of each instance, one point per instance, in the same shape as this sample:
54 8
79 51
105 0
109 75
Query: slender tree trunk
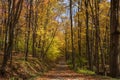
29 12
66 44
72 40
79 32
34 31
97 36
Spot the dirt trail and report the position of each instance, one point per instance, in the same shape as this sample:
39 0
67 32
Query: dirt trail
62 72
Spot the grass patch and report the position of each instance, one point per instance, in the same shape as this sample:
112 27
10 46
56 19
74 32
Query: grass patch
85 71
92 73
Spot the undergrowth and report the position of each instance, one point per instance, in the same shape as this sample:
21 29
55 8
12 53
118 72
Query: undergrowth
24 70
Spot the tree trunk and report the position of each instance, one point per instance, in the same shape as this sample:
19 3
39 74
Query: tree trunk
115 39
89 56
79 33
29 12
66 44
13 17
97 35
72 40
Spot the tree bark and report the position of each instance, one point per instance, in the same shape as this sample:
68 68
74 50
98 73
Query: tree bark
79 33
72 40
115 39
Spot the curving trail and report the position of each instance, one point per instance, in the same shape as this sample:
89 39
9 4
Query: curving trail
62 72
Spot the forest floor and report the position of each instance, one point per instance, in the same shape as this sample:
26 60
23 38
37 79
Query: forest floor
23 70
35 69
62 72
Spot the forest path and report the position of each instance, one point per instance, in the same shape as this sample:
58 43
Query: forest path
62 72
